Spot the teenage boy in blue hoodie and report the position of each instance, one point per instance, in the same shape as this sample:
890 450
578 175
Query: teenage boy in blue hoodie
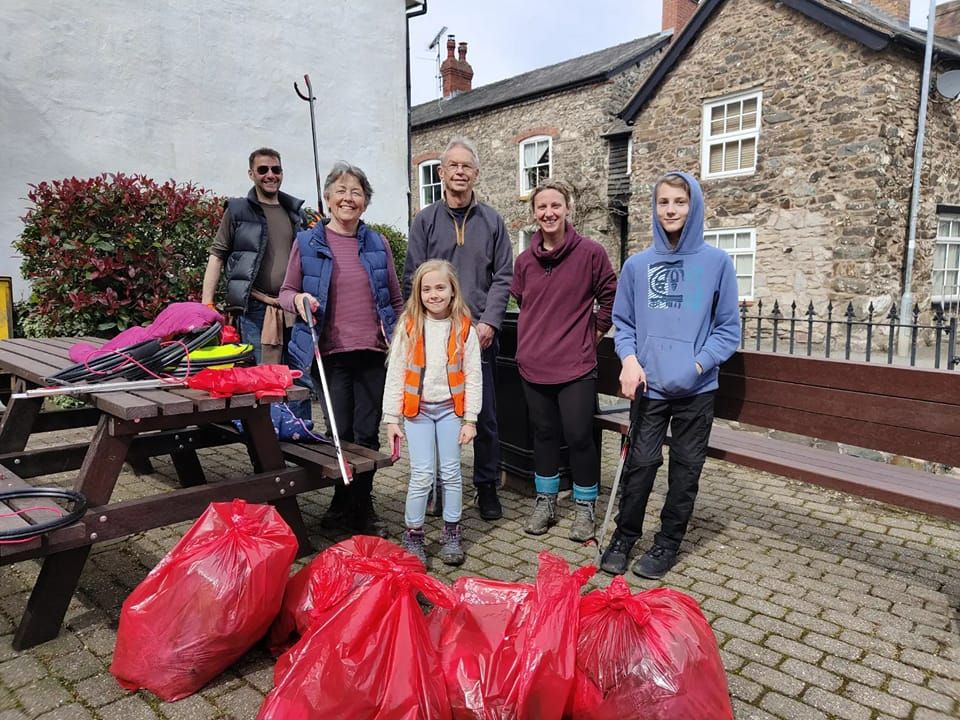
676 322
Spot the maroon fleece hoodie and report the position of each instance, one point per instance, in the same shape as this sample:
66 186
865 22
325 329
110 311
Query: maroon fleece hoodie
556 290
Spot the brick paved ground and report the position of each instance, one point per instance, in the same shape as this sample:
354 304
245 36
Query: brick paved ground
824 606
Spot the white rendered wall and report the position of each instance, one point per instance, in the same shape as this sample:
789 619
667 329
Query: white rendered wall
185 90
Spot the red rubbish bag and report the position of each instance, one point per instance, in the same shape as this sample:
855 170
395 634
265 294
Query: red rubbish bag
206 603
260 379
509 649
327 581
370 658
651 655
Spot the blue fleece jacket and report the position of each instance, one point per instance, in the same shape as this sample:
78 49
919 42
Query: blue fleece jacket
677 306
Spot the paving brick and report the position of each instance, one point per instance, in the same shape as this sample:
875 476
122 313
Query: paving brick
72 711
789 709
132 707
922 696
857 671
99 690
878 699
21 670
752 651
832 646
42 696
242 703
836 707
191 708
773 679
76 665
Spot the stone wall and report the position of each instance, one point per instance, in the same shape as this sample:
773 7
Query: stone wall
830 198
575 119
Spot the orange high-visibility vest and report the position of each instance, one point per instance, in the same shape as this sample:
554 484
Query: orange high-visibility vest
417 362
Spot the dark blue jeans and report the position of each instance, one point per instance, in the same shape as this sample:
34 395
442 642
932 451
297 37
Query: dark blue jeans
251 325
690 420
486 446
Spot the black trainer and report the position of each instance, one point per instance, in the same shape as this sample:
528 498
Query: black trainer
655 563
488 502
615 557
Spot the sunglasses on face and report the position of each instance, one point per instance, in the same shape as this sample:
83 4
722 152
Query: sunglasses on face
264 169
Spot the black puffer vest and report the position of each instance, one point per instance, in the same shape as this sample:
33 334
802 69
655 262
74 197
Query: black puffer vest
249 232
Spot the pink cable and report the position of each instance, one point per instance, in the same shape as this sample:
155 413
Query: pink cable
16 513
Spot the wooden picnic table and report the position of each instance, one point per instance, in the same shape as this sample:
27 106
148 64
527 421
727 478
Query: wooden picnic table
133 427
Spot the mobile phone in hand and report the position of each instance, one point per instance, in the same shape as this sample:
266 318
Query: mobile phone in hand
395 455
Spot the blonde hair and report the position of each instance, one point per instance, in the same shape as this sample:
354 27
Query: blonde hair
414 313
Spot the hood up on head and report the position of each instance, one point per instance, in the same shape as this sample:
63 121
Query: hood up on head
691 237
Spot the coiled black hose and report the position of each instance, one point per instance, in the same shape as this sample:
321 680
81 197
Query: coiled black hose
79 508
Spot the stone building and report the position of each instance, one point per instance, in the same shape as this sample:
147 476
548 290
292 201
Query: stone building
800 118
548 122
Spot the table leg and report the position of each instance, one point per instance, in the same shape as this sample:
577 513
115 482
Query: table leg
61 571
18 420
265 454
188 467
50 598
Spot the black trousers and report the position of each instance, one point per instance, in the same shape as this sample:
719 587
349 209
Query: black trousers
486 446
564 412
356 380
690 420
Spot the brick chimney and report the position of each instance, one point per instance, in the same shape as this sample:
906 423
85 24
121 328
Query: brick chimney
948 20
456 72
676 13
893 9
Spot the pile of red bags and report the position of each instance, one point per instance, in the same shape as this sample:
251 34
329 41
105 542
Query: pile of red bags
357 643
206 603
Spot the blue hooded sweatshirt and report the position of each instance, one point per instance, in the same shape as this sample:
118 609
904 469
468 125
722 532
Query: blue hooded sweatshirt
677 306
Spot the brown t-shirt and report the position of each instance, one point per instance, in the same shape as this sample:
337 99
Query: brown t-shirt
279 241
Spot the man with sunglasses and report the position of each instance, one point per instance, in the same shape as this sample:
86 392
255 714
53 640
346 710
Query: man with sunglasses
252 247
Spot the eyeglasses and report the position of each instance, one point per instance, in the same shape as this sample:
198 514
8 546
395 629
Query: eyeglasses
264 169
465 167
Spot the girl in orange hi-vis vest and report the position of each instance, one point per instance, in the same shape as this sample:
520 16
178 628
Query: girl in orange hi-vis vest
434 383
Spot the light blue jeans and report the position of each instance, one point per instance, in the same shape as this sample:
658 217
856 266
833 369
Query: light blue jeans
434 432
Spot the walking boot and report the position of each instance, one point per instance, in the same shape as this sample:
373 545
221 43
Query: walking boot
543 516
488 502
655 563
451 545
413 542
584 521
365 520
615 557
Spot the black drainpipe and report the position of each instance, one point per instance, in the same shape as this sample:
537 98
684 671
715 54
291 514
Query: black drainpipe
416 13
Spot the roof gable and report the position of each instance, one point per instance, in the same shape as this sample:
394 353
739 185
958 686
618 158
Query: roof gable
586 69
874 31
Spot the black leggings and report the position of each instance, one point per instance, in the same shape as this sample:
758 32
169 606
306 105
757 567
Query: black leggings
564 412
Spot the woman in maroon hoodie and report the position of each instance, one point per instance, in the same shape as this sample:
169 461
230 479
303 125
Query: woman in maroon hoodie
557 281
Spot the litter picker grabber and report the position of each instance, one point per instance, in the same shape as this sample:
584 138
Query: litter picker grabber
624 451
309 97
345 471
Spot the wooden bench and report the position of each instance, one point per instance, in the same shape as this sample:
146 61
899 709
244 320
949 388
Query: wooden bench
908 412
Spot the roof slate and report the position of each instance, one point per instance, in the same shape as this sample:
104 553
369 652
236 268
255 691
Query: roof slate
586 69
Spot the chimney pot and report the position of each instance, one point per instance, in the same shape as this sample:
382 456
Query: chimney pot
456 73
451 44
462 52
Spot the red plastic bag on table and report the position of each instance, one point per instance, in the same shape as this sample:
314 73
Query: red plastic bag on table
327 581
368 658
259 379
509 649
206 603
651 655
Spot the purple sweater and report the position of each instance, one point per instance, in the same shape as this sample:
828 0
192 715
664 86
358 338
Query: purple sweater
556 290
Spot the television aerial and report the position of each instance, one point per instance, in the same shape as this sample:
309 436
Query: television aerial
948 84
435 44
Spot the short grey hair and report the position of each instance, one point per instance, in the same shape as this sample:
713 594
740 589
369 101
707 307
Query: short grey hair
341 168
464 143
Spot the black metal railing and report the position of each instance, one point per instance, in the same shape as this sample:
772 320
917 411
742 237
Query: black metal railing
930 343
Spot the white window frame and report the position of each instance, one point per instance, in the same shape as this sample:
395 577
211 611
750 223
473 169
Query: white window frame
948 236
523 240
629 155
525 187
710 140
711 236
424 187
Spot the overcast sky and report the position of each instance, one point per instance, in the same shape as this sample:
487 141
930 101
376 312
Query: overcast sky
506 37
